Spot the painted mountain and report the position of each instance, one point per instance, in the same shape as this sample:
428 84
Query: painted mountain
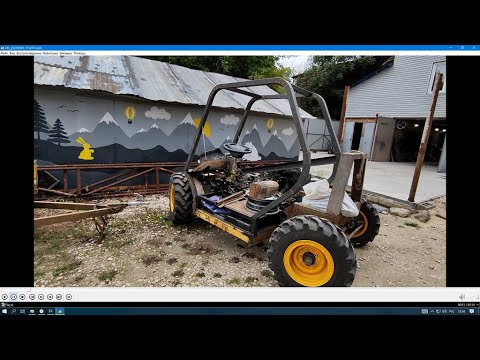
275 145
145 140
253 137
105 133
187 131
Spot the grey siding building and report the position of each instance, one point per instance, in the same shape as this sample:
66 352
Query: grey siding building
386 110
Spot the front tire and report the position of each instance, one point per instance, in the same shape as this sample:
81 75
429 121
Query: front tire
370 219
180 199
309 251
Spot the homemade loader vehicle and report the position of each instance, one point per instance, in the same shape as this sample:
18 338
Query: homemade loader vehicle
307 246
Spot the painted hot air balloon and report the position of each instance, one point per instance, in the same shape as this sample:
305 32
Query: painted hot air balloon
269 124
130 113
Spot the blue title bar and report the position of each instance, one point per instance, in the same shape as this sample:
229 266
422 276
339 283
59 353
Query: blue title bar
238 47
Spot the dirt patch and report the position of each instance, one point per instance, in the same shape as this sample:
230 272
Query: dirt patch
143 248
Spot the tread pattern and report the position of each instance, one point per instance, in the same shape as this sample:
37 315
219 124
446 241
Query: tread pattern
308 227
182 212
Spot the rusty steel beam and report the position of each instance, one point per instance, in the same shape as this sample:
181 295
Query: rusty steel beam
57 192
121 181
107 179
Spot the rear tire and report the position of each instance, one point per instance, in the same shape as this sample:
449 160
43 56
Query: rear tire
309 251
369 215
180 199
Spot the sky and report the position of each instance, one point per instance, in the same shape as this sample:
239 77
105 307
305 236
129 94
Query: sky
297 63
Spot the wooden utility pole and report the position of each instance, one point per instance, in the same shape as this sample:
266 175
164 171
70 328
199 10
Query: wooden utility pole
342 114
425 136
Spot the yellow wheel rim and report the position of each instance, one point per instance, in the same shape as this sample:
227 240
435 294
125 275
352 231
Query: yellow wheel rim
172 198
362 229
308 263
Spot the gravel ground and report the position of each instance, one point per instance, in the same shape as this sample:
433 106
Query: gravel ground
144 249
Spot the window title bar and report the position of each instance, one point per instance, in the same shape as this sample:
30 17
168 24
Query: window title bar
239 47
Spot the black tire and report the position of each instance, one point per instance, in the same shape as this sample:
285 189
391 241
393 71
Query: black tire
180 199
315 230
373 225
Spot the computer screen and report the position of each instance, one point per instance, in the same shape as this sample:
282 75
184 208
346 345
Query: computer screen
239 179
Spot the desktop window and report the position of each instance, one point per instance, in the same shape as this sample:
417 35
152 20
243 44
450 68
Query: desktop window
161 177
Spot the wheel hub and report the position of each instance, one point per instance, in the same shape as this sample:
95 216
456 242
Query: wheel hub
308 258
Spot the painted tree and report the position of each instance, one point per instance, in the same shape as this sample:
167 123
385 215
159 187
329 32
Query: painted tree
58 134
39 121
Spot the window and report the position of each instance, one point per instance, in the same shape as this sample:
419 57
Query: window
442 68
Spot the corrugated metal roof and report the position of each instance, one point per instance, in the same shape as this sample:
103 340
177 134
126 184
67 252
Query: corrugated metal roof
152 80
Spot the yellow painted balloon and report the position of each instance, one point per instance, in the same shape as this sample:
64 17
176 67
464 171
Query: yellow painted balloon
206 127
130 113
270 124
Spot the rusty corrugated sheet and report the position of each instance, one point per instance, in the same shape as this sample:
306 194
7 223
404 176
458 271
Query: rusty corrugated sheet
152 80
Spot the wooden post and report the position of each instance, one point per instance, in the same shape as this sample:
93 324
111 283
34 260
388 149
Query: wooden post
79 182
342 114
65 181
425 136
157 178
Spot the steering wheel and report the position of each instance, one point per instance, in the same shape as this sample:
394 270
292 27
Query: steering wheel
237 148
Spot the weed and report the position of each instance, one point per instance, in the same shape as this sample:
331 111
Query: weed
176 282
157 241
197 249
217 275
234 260
168 243
412 224
116 243
68 267
39 273
183 265
250 280
200 274
249 255
107 275
172 261
185 246
178 238
401 226
178 273
266 273
234 281
151 259
79 278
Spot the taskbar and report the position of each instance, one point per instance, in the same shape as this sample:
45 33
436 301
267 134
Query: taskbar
49 309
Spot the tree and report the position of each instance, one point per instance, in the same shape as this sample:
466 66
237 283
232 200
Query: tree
58 134
247 67
40 124
328 77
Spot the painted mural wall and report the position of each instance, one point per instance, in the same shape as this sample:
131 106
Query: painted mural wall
71 128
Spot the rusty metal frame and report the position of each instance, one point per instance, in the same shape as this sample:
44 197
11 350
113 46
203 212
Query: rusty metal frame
112 185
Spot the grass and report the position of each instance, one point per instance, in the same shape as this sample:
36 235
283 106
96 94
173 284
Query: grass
66 268
183 265
172 261
178 238
107 275
250 280
150 259
234 281
217 275
176 282
168 243
200 274
178 273
249 255
412 224
117 243
52 240
401 226
79 278
185 246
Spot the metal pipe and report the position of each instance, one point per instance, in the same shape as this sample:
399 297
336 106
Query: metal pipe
425 136
289 165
